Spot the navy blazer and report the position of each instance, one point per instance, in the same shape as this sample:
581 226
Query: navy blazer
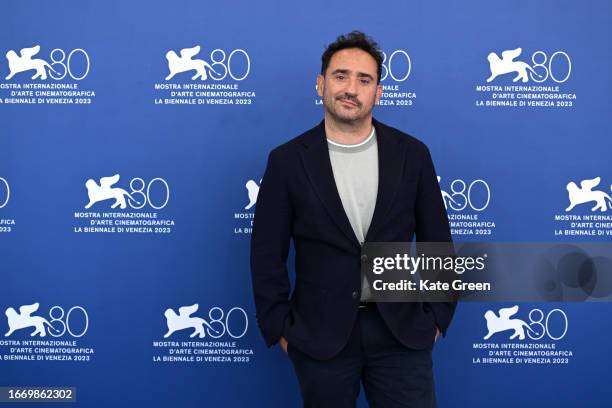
298 200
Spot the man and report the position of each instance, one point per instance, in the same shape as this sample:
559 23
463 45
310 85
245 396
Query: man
349 180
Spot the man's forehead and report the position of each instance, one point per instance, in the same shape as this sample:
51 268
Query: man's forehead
353 59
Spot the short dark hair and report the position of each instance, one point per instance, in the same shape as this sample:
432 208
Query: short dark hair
354 39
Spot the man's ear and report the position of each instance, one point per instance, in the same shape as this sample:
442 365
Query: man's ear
320 85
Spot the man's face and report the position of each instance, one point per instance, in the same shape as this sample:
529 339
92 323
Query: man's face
349 88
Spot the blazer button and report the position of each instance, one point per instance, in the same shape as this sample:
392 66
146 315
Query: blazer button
355 295
364 258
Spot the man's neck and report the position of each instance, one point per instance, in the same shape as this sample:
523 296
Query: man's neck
347 133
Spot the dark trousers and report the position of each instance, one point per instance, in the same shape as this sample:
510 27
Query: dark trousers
393 375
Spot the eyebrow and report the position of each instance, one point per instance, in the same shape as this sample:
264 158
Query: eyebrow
347 71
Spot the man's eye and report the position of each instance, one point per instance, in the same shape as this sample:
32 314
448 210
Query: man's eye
365 81
340 77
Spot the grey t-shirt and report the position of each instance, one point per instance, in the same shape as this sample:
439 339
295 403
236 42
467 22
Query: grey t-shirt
355 169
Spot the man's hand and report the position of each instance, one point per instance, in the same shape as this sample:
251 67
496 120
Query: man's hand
437 334
283 343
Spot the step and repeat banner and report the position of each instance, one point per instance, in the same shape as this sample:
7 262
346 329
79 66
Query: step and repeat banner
133 140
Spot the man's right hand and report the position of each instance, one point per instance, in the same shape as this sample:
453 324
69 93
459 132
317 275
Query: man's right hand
283 343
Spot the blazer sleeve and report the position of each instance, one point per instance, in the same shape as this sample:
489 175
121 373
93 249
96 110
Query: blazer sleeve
432 226
270 241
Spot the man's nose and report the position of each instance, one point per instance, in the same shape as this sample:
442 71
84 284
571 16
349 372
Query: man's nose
351 87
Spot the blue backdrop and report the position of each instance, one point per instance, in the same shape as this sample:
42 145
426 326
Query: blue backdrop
190 153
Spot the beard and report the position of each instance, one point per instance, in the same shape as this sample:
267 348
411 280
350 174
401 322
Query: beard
338 113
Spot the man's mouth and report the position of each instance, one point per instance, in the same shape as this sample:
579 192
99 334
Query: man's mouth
349 102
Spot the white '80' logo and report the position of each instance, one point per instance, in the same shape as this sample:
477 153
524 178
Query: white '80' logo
61 321
396 66
476 195
5 192
138 185
65 65
542 326
217 318
227 65
545 67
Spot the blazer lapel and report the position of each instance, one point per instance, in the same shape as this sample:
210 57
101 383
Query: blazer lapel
390 170
319 170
